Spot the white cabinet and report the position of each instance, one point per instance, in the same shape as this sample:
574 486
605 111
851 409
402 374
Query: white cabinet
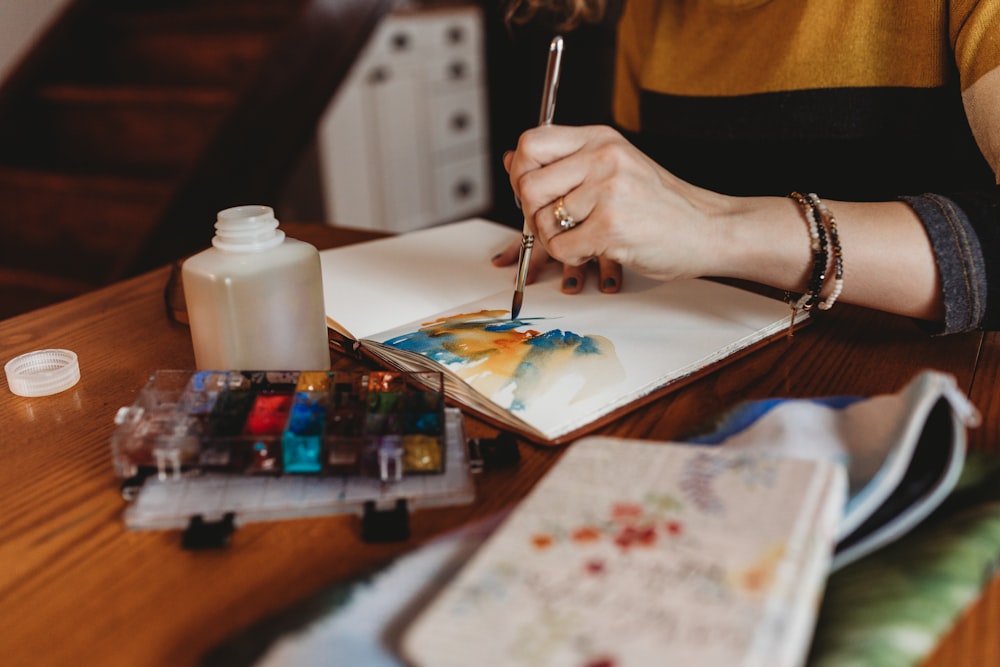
404 144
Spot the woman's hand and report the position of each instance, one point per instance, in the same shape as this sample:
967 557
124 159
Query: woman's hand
626 209
573 278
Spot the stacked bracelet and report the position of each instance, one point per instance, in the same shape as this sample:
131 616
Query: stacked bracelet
820 255
838 259
824 238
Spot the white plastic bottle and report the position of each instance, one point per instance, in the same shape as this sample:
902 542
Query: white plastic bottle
255 298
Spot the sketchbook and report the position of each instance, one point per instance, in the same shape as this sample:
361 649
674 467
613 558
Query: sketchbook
431 300
639 553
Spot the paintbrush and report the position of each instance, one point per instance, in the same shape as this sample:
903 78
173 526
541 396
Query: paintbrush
552 70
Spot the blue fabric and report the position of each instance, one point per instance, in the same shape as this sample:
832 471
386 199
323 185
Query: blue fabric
745 415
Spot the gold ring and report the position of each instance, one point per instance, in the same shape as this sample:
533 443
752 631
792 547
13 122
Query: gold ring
564 219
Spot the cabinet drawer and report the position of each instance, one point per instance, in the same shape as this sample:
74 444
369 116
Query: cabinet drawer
462 187
457 117
454 32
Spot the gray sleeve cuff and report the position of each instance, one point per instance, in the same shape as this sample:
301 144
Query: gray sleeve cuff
959 261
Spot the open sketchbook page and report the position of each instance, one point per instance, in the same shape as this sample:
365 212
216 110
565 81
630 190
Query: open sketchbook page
568 360
376 285
636 553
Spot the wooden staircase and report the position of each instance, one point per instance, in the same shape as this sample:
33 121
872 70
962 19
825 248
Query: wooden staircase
132 123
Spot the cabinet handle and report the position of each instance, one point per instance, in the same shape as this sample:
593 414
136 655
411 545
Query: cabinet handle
400 41
457 69
378 75
464 189
456 34
460 121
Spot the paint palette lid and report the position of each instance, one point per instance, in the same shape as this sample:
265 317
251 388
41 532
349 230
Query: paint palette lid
206 451
42 372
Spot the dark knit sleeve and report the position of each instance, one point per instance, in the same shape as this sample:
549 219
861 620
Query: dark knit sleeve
964 229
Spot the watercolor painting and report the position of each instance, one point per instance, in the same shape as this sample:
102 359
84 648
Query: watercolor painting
515 362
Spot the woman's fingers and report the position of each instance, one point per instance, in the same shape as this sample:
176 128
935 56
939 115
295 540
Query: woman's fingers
573 278
544 167
508 255
611 275
511 254
586 193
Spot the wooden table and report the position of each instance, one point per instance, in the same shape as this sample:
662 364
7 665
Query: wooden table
77 588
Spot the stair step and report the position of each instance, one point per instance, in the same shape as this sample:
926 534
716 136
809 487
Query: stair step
151 129
195 96
181 42
226 58
78 229
195 14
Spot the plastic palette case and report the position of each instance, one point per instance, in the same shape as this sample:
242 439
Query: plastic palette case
205 451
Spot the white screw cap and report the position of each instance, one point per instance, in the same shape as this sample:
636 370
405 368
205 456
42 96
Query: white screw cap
42 372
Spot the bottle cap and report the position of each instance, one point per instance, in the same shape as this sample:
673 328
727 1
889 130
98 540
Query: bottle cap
42 372
247 229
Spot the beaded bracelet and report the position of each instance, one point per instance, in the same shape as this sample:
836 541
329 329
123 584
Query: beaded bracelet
838 259
818 244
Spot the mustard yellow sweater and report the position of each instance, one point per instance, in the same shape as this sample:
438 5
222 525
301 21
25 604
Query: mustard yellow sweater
852 99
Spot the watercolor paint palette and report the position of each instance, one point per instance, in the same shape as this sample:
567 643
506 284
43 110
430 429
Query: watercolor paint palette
261 445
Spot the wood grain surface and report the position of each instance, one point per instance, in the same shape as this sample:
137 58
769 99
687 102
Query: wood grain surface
77 588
